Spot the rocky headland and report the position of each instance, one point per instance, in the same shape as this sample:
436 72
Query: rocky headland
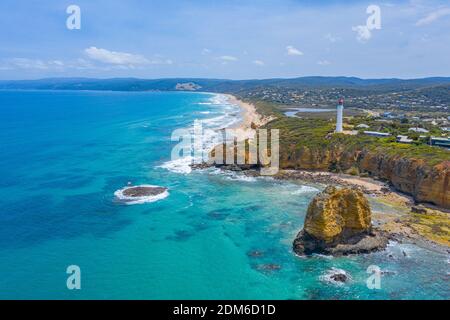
416 188
338 222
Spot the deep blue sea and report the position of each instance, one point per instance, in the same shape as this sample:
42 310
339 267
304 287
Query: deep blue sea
215 236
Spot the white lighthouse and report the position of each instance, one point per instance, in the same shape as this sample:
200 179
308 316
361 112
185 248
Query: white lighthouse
340 111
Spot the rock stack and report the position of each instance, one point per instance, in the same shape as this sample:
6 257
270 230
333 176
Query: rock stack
338 222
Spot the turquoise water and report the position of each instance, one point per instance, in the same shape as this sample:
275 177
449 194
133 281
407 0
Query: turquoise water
216 236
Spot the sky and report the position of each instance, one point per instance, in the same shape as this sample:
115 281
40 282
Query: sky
246 39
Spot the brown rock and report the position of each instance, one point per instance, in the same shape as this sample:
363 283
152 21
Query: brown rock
338 222
418 210
334 212
415 177
143 191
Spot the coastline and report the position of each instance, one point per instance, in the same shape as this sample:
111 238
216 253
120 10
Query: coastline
407 221
401 219
250 118
210 221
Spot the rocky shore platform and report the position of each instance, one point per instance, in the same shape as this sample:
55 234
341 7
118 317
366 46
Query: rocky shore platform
401 219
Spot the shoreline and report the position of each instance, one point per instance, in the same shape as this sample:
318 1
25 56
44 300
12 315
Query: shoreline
407 221
250 118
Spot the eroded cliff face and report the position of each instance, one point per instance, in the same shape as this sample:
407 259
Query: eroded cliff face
423 182
335 212
338 222
412 176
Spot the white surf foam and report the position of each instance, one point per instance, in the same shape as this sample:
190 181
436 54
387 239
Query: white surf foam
228 115
182 165
240 177
139 200
305 189
327 277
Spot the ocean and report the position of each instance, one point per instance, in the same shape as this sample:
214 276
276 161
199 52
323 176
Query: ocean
215 235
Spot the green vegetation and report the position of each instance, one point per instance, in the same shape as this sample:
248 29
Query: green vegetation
317 134
428 96
433 225
431 155
397 127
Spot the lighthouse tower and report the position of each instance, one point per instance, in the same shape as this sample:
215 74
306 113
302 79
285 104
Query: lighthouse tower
340 111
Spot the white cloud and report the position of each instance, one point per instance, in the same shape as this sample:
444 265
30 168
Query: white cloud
116 58
332 38
363 33
433 16
291 51
57 63
77 64
228 58
50 65
323 62
32 64
258 62
26 63
206 51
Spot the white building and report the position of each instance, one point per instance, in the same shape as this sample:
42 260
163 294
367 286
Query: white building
417 129
404 139
377 133
340 113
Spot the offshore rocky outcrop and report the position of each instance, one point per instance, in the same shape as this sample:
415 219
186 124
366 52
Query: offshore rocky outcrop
415 177
338 222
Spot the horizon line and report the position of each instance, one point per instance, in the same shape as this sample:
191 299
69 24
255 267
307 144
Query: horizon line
223 79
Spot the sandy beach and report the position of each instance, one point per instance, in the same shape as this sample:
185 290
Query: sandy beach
250 119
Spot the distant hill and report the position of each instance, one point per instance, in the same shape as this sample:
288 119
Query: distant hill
223 85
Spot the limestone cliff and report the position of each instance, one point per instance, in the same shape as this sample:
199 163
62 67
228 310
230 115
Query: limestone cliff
424 182
335 212
338 221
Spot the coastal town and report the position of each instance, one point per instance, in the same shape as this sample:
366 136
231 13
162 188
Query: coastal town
419 116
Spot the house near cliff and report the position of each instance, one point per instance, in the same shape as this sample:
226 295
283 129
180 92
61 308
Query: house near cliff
404 139
419 130
377 134
440 142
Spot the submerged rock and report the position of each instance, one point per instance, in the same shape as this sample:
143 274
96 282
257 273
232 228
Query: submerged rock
269 267
339 277
336 276
255 254
338 222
